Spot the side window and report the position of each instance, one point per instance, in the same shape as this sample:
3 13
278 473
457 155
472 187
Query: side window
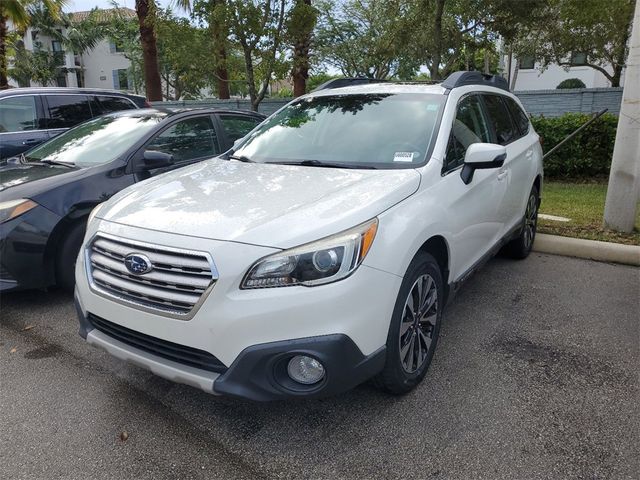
18 114
114 104
468 128
67 111
521 119
188 139
237 126
501 119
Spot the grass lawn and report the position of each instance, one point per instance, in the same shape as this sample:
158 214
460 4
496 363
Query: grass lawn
584 205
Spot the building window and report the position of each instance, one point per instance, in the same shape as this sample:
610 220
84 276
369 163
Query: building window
578 59
121 79
61 80
115 47
56 46
527 62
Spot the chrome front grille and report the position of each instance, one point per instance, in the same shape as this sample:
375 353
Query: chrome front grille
176 283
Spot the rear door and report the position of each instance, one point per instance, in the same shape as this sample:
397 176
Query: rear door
65 111
21 124
514 172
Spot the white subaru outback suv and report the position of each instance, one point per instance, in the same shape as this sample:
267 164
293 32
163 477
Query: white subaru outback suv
320 252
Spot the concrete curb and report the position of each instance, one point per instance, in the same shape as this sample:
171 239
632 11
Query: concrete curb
590 249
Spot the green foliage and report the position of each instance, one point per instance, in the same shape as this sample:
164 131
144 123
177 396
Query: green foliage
318 79
588 155
601 29
571 83
39 66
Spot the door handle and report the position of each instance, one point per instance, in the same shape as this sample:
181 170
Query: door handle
30 142
502 175
529 153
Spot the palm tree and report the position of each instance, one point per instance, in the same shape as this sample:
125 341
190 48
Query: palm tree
146 11
18 12
83 36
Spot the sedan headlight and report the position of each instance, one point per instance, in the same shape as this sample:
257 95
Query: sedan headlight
14 208
324 261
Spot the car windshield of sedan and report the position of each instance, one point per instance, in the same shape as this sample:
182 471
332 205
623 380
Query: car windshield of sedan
97 141
383 130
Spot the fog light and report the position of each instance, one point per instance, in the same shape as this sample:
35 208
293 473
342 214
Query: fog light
305 370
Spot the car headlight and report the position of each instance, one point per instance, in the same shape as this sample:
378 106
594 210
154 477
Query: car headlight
14 208
324 261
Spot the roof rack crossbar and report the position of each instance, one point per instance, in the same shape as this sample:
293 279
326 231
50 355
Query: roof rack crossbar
346 82
459 79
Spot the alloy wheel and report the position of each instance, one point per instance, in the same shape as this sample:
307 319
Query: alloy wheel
530 221
418 324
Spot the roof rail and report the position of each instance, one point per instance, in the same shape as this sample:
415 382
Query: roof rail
346 82
459 79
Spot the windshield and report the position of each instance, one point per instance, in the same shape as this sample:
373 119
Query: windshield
97 141
360 131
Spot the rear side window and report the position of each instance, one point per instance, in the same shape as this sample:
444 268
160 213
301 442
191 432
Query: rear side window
66 111
113 104
18 114
469 127
499 116
521 119
237 126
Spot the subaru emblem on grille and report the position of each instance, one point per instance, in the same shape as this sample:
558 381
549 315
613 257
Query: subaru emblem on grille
138 264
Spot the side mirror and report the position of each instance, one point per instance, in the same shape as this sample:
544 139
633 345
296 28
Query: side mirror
480 156
154 159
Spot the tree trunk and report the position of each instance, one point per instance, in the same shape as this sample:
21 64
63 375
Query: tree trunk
300 72
220 32
146 17
437 38
4 83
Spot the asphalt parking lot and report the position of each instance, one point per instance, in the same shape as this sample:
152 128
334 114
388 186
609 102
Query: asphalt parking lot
535 376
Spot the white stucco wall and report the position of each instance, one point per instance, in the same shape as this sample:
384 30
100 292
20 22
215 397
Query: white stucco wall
535 79
99 65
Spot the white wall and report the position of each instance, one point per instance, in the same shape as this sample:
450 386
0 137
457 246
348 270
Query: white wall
99 65
535 79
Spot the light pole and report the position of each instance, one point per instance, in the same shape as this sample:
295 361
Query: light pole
624 180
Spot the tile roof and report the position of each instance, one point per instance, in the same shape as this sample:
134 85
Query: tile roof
102 14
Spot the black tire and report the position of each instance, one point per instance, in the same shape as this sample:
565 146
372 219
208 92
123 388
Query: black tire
67 255
396 378
521 246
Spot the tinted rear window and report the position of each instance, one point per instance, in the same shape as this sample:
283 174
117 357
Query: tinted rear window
114 104
501 119
67 111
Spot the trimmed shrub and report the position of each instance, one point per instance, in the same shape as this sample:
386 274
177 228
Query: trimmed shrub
587 155
571 83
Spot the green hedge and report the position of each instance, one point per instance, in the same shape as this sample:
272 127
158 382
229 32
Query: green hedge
587 155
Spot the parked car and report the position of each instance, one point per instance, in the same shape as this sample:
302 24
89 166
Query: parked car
46 197
30 116
321 251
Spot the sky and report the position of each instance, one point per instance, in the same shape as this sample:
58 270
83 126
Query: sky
81 5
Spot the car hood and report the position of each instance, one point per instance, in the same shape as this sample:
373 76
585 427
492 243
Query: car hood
271 205
27 180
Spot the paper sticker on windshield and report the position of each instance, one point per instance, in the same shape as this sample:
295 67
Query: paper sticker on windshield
403 157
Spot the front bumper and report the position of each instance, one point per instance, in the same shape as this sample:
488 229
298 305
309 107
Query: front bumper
25 261
253 332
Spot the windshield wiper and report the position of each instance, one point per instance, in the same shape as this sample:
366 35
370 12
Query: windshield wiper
54 162
241 158
318 163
